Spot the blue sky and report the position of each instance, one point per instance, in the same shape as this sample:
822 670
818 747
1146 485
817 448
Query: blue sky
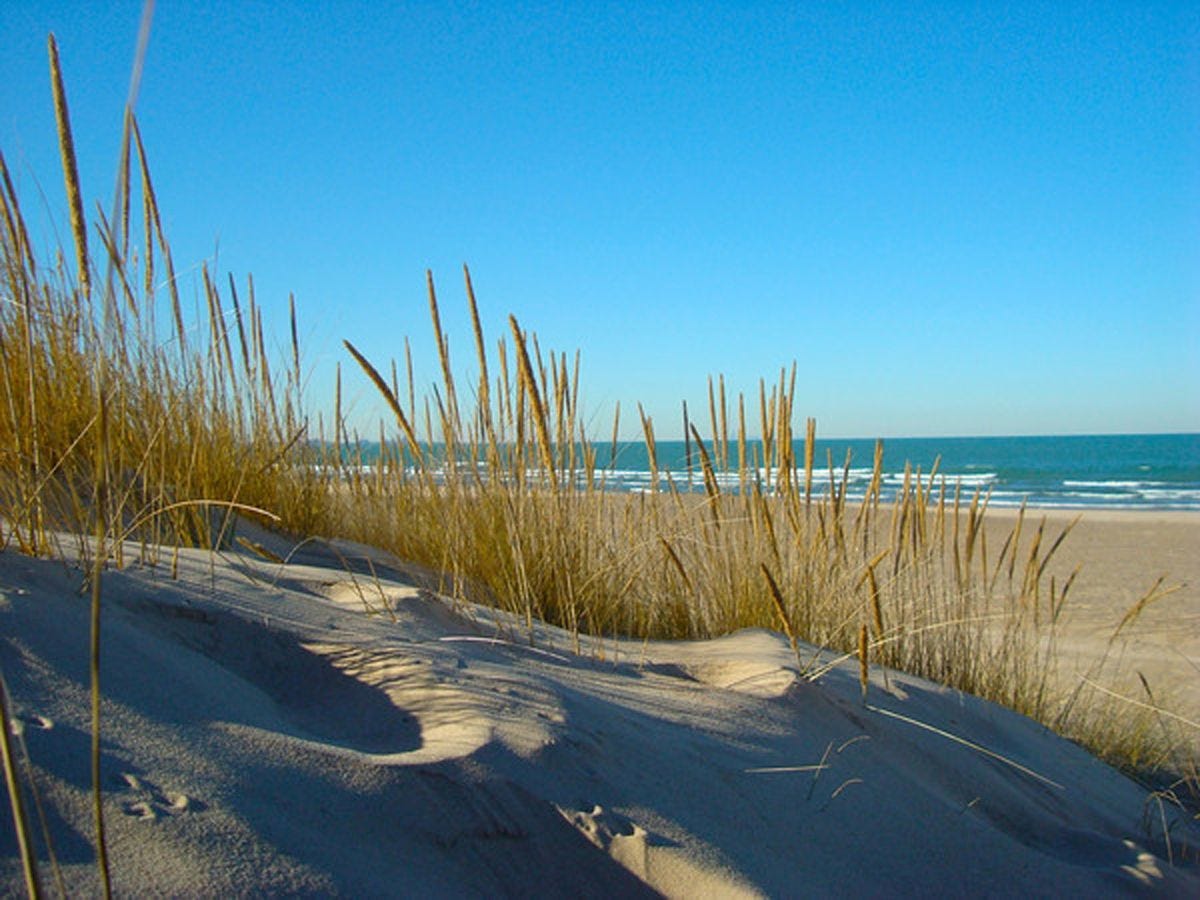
957 218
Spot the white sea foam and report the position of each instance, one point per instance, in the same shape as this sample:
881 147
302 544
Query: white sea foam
1071 483
1071 479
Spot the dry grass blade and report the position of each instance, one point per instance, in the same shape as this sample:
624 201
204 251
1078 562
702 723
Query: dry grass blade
687 442
443 348
12 778
710 477
678 564
18 237
1067 529
781 610
979 748
1153 707
810 449
485 402
382 386
295 341
864 672
874 596
101 536
651 447
66 143
1156 593
525 373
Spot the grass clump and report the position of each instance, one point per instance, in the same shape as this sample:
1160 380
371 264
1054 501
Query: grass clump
510 501
106 411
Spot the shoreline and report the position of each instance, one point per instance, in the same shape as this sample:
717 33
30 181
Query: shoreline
1101 513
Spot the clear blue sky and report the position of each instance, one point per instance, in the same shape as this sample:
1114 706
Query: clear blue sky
959 218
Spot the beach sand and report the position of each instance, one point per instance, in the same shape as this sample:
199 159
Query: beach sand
1122 554
329 727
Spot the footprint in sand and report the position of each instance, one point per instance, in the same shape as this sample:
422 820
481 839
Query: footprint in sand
150 801
603 826
623 839
139 810
38 723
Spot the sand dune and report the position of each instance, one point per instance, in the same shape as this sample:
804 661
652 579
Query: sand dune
301 729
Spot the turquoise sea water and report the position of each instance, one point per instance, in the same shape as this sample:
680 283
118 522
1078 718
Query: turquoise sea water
1113 471
1146 471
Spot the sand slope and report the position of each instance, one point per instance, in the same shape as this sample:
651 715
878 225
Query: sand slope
265 735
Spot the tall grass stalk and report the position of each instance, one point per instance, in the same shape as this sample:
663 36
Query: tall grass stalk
12 780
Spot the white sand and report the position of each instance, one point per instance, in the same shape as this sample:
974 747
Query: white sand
263 735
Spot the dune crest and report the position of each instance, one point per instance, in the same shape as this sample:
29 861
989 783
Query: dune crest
266 730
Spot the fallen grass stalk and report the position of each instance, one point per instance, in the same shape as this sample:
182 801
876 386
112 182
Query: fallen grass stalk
1156 709
958 739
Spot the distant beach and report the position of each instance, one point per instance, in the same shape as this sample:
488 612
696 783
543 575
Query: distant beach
1122 553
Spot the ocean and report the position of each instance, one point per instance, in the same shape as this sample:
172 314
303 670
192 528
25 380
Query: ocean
1130 471
1140 471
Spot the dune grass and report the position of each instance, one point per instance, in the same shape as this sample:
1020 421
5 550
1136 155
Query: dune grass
509 501
121 420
